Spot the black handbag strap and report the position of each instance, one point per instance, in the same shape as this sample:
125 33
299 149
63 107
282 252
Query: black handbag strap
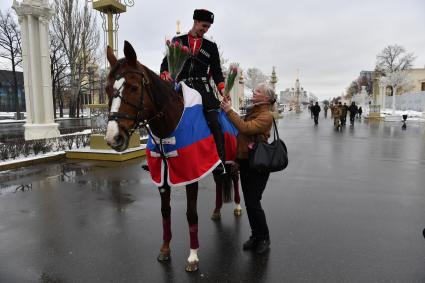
275 132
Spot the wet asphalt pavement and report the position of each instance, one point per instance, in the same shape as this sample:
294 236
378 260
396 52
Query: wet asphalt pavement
349 208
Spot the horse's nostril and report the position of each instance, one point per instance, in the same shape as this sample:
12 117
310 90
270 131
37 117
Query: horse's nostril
119 139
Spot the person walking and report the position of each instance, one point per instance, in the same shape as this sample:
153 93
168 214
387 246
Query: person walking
337 115
360 111
325 109
315 109
353 112
344 110
203 63
255 125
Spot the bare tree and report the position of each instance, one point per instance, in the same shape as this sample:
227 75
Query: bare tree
10 49
59 71
367 82
394 62
394 58
353 89
77 31
253 77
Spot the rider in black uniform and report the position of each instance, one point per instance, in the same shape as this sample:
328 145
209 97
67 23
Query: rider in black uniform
203 63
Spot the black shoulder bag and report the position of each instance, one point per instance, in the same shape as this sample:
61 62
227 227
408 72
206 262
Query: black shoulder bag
265 157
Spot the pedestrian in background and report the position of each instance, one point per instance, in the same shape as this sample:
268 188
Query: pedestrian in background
344 110
332 110
325 109
255 126
353 112
316 110
360 111
337 115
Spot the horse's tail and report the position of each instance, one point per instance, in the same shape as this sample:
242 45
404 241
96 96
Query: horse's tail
227 187
227 181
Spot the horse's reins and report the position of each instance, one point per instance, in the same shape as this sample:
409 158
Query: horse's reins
138 120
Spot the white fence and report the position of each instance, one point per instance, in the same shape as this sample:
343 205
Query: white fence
408 101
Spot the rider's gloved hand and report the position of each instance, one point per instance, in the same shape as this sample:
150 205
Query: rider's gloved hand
166 76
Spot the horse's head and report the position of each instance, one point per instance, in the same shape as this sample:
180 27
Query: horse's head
129 101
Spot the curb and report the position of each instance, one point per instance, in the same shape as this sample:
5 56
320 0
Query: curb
23 163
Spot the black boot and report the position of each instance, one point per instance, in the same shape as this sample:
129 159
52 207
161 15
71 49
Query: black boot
250 244
262 246
214 125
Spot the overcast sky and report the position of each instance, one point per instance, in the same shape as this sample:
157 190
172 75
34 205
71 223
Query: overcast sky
328 41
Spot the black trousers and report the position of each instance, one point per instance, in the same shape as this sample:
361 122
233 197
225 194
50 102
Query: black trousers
316 119
253 185
214 125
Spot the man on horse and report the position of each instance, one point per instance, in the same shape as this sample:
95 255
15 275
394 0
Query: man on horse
203 64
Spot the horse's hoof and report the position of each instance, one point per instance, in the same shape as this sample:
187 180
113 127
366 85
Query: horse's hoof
163 257
192 266
216 216
237 211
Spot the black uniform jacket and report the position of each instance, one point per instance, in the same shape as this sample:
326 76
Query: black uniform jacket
198 67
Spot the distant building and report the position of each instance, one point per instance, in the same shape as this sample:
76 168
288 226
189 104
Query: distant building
7 95
417 77
289 95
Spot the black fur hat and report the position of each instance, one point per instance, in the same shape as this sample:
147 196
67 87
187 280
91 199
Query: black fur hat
203 15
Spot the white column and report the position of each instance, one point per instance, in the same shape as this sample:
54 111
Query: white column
34 16
23 21
394 94
46 79
381 99
384 95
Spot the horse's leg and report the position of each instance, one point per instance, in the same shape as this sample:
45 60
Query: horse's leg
218 198
192 219
235 178
164 252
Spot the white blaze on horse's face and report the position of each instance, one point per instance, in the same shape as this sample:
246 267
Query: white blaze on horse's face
113 130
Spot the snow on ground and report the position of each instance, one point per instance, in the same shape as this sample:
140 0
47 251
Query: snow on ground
411 115
30 157
8 117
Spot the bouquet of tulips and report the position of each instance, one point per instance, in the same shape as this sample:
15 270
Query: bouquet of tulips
231 76
177 54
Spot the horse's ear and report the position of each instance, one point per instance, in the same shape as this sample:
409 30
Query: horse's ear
111 56
129 53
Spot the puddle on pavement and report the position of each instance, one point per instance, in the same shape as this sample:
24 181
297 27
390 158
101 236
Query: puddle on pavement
6 189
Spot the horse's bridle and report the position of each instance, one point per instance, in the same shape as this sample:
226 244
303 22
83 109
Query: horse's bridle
138 119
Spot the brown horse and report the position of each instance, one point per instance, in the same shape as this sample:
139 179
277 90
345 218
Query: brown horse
137 96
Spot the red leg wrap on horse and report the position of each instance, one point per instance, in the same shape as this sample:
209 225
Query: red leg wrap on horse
236 188
166 229
193 231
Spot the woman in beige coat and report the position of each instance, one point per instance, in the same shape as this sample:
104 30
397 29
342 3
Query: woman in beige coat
256 125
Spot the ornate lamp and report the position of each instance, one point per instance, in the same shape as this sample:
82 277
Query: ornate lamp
108 9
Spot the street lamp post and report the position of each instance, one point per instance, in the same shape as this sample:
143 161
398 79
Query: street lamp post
297 95
109 9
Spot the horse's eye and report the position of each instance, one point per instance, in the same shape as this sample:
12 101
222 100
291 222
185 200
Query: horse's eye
133 88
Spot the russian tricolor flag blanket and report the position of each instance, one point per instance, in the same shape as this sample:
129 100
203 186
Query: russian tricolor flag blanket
190 150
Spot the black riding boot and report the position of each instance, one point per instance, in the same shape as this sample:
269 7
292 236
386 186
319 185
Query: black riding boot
214 125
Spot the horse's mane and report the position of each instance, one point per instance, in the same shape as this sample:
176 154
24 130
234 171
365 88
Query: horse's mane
161 89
